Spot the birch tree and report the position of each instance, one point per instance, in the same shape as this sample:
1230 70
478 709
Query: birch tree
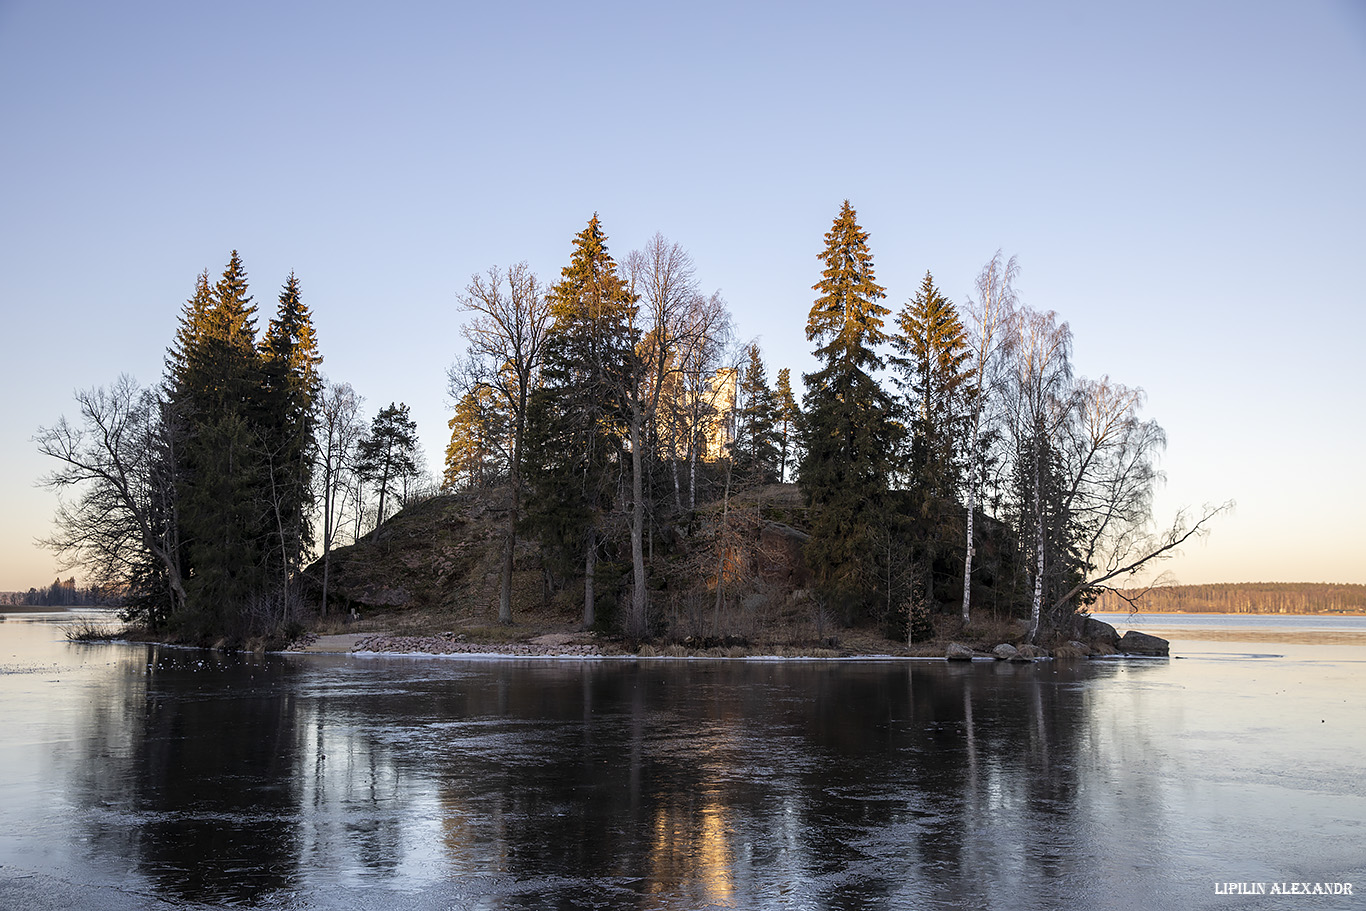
988 313
1041 399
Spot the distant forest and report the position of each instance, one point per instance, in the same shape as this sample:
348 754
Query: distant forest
1243 598
62 593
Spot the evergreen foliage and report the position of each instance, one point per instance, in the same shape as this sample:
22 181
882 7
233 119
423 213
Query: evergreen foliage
788 416
388 455
755 449
472 454
847 427
216 388
931 361
290 362
575 421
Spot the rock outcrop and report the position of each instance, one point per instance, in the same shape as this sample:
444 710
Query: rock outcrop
1135 643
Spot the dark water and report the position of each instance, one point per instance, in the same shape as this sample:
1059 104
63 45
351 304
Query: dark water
135 776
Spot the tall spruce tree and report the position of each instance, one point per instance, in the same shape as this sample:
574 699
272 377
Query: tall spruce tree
216 380
290 361
573 449
931 362
847 427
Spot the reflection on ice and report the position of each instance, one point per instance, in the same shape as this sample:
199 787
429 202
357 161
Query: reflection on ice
327 782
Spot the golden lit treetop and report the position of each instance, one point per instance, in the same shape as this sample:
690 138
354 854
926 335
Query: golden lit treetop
846 319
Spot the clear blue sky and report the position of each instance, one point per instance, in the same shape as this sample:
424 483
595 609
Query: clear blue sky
1182 182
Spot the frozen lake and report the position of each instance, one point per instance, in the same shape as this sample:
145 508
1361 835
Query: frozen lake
136 776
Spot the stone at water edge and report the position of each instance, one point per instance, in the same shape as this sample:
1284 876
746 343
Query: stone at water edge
1005 651
1135 643
958 652
1099 631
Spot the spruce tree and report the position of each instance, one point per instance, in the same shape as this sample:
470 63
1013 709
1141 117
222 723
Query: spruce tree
573 449
290 361
215 389
755 450
931 361
847 426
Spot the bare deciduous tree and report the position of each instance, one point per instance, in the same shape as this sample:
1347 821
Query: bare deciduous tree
506 334
340 429
1137 550
674 321
122 460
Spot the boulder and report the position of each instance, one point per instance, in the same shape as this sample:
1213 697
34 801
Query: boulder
1135 643
1005 651
958 652
1099 632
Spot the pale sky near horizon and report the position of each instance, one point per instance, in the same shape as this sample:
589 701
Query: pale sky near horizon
1181 181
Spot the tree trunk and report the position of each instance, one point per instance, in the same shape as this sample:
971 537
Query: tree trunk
1038 559
721 557
692 475
510 543
590 563
673 467
636 627
327 562
971 550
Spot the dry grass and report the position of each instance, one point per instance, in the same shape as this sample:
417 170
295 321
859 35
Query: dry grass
92 629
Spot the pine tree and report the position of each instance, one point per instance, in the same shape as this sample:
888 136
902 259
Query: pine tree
573 452
471 461
388 455
755 447
847 429
932 355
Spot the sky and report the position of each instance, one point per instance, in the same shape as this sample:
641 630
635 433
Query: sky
1182 182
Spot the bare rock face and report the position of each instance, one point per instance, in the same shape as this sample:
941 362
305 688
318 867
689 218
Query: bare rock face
381 596
958 652
1005 651
782 561
1135 643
